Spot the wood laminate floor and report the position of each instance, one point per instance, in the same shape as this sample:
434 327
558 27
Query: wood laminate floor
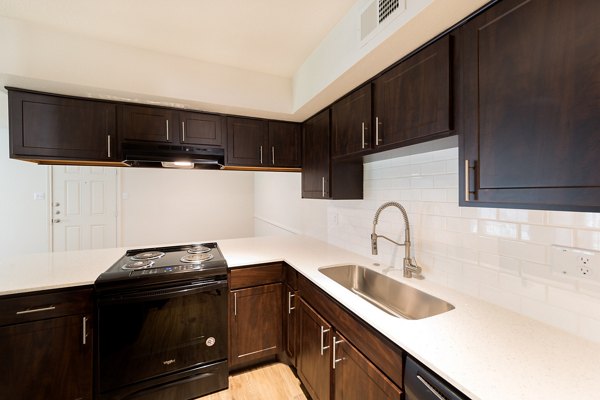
272 382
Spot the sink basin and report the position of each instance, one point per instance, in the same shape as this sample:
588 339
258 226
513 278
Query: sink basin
389 295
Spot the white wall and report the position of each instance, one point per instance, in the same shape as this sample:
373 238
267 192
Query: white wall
280 210
166 206
24 221
499 255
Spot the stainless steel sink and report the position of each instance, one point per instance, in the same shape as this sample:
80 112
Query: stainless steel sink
391 296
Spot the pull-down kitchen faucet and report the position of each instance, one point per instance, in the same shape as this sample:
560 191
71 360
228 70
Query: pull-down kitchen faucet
410 267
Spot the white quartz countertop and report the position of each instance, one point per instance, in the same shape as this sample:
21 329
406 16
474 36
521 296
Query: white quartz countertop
485 351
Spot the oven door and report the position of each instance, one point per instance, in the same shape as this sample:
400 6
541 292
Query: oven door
148 333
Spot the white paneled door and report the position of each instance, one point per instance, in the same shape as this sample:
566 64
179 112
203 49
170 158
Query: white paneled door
84 208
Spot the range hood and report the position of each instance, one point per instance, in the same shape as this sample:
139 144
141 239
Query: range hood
160 155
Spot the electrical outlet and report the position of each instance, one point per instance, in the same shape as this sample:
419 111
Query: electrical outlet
575 263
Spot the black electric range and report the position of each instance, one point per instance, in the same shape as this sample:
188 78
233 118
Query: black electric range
159 265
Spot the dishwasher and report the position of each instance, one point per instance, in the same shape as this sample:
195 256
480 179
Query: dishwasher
422 384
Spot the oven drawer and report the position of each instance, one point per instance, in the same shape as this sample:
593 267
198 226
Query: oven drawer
257 275
34 307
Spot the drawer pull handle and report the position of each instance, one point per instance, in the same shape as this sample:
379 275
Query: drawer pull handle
34 310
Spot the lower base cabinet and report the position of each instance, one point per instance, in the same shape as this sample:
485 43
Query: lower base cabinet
355 377
314 353
46 346
330 367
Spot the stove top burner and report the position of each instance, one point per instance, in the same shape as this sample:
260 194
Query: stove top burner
196 258
197 249
139 264
148 255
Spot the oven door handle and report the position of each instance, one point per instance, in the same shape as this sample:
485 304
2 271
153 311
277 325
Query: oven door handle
165 293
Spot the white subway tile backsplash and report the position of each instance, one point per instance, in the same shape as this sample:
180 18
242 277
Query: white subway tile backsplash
499 255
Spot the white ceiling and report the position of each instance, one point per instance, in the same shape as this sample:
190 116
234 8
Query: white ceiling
268 36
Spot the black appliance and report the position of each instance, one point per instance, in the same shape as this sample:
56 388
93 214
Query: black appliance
151 155
162 324
422 384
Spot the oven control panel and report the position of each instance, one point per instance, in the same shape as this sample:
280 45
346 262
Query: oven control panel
166 270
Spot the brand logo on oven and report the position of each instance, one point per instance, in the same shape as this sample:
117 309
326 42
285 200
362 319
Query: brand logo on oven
169 362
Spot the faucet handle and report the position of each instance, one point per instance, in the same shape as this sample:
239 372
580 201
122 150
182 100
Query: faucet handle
374 243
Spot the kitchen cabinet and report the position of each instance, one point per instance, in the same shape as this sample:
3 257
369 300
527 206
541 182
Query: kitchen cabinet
356 378
255 301
263 144
46 345
531 135
313 363
322 178
285 144
149 124
291 315
140 123
43 128
413 100
201 129
340 357
351 123
247 142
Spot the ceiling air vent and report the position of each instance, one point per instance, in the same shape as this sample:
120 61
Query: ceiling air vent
377 14
386 7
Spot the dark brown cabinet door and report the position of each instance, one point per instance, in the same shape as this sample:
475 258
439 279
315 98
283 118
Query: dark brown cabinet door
314 352
256 328
46 359
531 97
285 144
413 100
201 128
44 127
149 124
351 123
290 319
315 163
247 141
356 378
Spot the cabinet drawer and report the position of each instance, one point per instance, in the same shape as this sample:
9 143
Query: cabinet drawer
32 307
255 275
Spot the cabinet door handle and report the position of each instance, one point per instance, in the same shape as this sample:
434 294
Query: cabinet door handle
183 131
235 304
85 330
468 169
290 308
323 332
108 143
363 135
261 158
323 185
433 390
273 154
335 360
377 131
34 310
167 126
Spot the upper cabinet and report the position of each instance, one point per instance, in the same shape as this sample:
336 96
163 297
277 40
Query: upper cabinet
413 100
285 144
531 117
247 142
150 124
260 143
164 125
323 178
201 128
351 123
55 128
